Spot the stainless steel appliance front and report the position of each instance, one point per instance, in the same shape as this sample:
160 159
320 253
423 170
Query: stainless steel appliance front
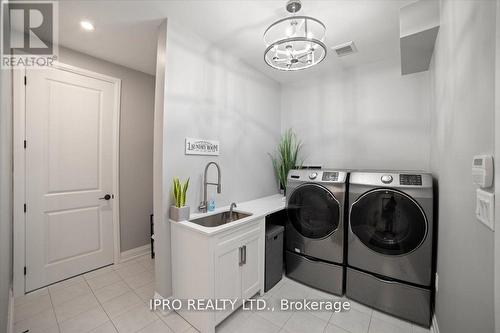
390 227
390 243
314 232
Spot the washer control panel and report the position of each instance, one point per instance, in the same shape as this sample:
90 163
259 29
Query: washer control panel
413 180
330 176
325 176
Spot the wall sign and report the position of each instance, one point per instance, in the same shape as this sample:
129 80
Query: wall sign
202 147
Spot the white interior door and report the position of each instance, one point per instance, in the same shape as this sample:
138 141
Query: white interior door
69 167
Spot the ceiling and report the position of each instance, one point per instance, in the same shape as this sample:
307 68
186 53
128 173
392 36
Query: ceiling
125 31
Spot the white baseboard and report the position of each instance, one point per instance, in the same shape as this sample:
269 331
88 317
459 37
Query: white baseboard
135 253
10 318
158 296
434 327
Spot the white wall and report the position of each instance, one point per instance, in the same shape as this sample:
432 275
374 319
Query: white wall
365 117
463 125
212 95
136 144
163 269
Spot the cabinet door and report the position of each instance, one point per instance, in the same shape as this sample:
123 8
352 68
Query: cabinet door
227 274
252 268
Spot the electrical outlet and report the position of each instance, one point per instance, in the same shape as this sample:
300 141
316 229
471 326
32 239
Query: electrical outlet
485 208
436 283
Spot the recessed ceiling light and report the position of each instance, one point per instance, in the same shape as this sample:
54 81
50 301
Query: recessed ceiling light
87 25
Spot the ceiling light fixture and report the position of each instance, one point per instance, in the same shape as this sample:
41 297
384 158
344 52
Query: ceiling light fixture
295 42
87 25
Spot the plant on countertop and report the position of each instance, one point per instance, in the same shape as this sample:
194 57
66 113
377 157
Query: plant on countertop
179 192
287 157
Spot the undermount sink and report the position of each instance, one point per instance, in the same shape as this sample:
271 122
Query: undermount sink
219 219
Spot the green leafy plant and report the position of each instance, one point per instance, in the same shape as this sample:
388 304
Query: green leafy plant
179 192
287 156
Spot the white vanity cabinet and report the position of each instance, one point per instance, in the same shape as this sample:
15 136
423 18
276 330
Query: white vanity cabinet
224 265
238 266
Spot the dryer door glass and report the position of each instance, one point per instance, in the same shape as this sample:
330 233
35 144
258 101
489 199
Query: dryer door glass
388 222
313 211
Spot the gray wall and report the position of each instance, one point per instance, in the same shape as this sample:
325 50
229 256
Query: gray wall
497 173
136 145
5 193
367 117
214 96
463 125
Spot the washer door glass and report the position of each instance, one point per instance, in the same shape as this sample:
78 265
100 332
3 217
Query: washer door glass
388 222
313 211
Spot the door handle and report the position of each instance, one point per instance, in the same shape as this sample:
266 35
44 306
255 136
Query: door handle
106 197
244 248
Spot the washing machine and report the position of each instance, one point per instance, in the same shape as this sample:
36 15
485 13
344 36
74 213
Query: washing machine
390 243
314 232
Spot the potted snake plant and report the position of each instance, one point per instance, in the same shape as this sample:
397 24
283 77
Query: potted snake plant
179 211
286 157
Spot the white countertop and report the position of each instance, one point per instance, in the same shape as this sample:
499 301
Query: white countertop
259 208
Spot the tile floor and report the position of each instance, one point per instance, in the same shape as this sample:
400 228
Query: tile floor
115 299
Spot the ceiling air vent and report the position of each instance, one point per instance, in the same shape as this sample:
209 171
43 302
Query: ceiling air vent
345 49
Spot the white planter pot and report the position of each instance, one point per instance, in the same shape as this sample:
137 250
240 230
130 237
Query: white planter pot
179 214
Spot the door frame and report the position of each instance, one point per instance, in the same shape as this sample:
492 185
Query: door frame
19 168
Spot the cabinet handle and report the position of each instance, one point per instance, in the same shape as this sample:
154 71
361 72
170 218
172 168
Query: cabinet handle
244 254
241 256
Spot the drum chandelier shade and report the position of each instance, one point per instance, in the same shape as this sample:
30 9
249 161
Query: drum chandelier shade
295 42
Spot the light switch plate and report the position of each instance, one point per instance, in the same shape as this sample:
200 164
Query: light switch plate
485 208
